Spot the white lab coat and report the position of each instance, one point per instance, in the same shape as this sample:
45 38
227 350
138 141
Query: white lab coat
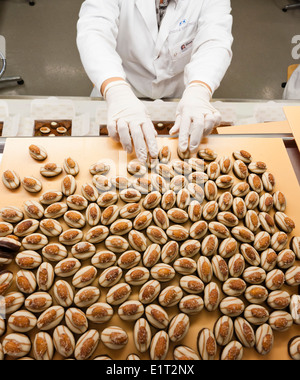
120 38
292 89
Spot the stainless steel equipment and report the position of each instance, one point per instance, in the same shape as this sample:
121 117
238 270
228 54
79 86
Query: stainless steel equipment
17 79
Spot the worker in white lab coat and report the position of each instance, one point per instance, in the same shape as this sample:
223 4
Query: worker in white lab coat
156 49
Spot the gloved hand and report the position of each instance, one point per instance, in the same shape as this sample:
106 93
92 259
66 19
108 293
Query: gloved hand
195 117
129 121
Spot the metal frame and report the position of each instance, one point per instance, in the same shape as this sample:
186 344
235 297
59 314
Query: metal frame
17 79
291 6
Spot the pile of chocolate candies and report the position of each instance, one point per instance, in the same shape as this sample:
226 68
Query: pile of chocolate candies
177 237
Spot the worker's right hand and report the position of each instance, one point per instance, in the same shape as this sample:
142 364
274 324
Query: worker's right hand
129 122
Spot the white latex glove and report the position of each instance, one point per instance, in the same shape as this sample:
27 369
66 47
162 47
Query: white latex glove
195 117
129 122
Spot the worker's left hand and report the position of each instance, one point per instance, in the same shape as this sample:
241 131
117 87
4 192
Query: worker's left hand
195 117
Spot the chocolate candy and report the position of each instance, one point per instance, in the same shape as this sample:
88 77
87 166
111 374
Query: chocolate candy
162 272
142 335
223 330
84 277
225 164
254 275
207 345
37 152
12 214
56 210
101 168
137 240
279 299
121 227
264 339
103 259
118 294
157 316
64 341
129 259
136 168
63 293
32 185
292 276
22 321
244 332
50 318
280 202
294 348
74 219
83 250
185 353
159 346
54 252
170 296
68 185
256 314
67 267
280 321
252 200
149 292
45 276
207 154
234 287
152 200
77 202
42 346
26 281
38 302
256 294
240 169
114 338
228 248
16 345
131 310
295 309
110 277
168 200
233 351
99 313
107 199
87 296
243 155
87 345
28 260
97 234
76 320
170 252
236 265
179 327
51 197
11 179
152 255
144 219
275 279
225 201
71 166
232 306
204 269
212 296
191 304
